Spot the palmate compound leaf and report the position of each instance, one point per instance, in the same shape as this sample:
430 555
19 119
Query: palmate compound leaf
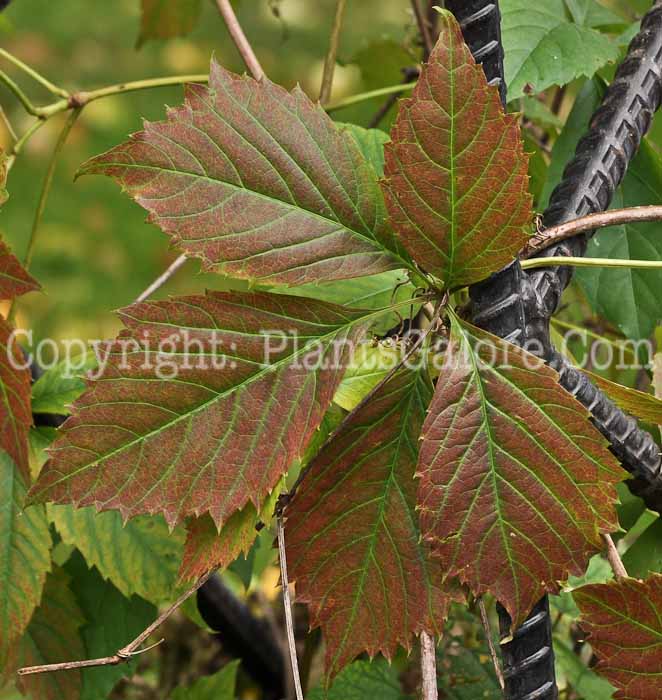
456 173
15 414
352 535
204 404
25 559
259 183
516 484
624 621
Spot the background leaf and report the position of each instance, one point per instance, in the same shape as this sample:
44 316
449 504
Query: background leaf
61 385
164 19
623 621
361 680
141 557
542 47
259 183
111 622
584 681
354 513
516 484
52 636
641 404
456 174
25 559
220 686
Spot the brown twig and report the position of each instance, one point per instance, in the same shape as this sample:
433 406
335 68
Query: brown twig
287 602
546 237
614 558
423 28
125 653
239 38
330 61
428 668
490 642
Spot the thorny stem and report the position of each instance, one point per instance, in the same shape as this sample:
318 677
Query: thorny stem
239 38
125 653
287 602
590 262
428 668
546 237
51 87
330 61
490 642
614 557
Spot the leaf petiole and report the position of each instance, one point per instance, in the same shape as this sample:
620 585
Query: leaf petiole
590 262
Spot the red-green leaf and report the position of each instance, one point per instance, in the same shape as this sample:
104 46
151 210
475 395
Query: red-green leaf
14 279
638 403
206 548
516 484
221 422
52 636
259 183
456 174
353 542
164 19
24 555
624 622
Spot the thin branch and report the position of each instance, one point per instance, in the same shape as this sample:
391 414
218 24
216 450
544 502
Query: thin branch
19 94
20 144
48 182
239 38
162 279
330 61
490 642
365 96
410 75
125 653
287 602
428 668
8 125
423 28
590 262
614 557
34 74
546 237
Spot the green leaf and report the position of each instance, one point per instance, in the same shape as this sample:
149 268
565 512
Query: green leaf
590 13
220 686
456 182
164 19
585 682
645 555
141 557
354 512
111 622
516 484
598 571
624 625
361 680
369 366
25 543
205 403
52 637
627 298
371 142
542 48
259 183
61 385
640 404
465 670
